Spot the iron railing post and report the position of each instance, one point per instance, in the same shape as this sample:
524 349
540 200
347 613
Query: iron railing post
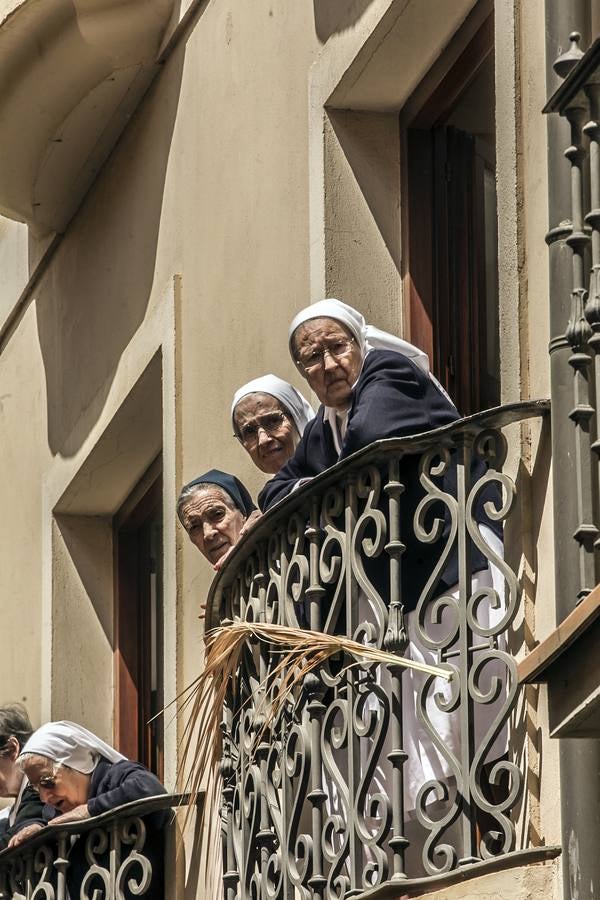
579 759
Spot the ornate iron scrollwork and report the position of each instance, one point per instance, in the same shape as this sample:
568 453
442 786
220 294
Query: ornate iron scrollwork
350 801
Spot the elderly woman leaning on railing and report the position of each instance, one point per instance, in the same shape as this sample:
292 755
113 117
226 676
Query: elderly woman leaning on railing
371 774
79 776
116 856
373 385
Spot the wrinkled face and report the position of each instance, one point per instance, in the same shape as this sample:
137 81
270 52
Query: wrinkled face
10 773
265 431
213 526
330 360
57 785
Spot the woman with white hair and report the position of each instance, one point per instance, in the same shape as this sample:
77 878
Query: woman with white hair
373 385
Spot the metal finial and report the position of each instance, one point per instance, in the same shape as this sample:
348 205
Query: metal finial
565 62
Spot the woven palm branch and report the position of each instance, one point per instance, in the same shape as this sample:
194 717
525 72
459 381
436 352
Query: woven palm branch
300 652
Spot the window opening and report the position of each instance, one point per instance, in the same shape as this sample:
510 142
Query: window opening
452 247
139 655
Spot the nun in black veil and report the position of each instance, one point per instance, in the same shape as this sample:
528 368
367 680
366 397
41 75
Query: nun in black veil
213 509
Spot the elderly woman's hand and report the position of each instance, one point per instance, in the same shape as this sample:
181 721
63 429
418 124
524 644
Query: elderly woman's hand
221 562
24 834
250 522
74 815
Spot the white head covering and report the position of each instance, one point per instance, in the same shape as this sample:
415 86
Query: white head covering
70 745
299 408
368 336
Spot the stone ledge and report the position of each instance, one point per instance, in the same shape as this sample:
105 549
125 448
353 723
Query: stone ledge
519 875
520 883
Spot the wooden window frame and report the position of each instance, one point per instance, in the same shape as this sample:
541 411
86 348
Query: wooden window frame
132 690
430 104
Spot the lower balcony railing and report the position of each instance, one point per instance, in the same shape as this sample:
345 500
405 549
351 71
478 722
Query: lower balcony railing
375 776
116 855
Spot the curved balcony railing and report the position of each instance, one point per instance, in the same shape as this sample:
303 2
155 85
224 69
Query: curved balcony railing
372 775
114 848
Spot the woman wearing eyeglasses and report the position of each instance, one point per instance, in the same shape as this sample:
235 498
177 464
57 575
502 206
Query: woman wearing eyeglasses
371 385
81 776
269 417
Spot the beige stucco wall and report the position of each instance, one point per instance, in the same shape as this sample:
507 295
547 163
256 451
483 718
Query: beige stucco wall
24 454
13 263
210 182
534 327
236 209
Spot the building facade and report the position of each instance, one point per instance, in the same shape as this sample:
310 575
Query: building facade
177 179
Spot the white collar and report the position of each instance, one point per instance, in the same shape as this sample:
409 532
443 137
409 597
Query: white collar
338 423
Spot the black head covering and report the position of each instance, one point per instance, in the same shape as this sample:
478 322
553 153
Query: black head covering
230 484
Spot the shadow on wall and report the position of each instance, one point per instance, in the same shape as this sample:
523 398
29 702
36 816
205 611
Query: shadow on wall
333 16
362 213
520 549
96 292
369 144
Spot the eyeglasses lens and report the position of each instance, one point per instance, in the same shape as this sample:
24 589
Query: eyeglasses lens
269 423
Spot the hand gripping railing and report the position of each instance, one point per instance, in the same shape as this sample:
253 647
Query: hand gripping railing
114 849
371 776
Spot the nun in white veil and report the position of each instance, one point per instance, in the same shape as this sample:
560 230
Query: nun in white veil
373 385
368 338
269 416
82 776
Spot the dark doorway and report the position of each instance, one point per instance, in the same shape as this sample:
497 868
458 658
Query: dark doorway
138 623
451 246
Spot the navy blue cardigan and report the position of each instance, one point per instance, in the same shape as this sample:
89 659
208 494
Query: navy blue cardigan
393 397
112 785
31 811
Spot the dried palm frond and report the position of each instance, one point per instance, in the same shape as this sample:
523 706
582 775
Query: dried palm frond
300 652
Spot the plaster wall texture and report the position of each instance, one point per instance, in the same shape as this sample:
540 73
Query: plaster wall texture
58 129
82 587
7 7
362 214
519 884
534 273
534 328
13 263
24 455
236 210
